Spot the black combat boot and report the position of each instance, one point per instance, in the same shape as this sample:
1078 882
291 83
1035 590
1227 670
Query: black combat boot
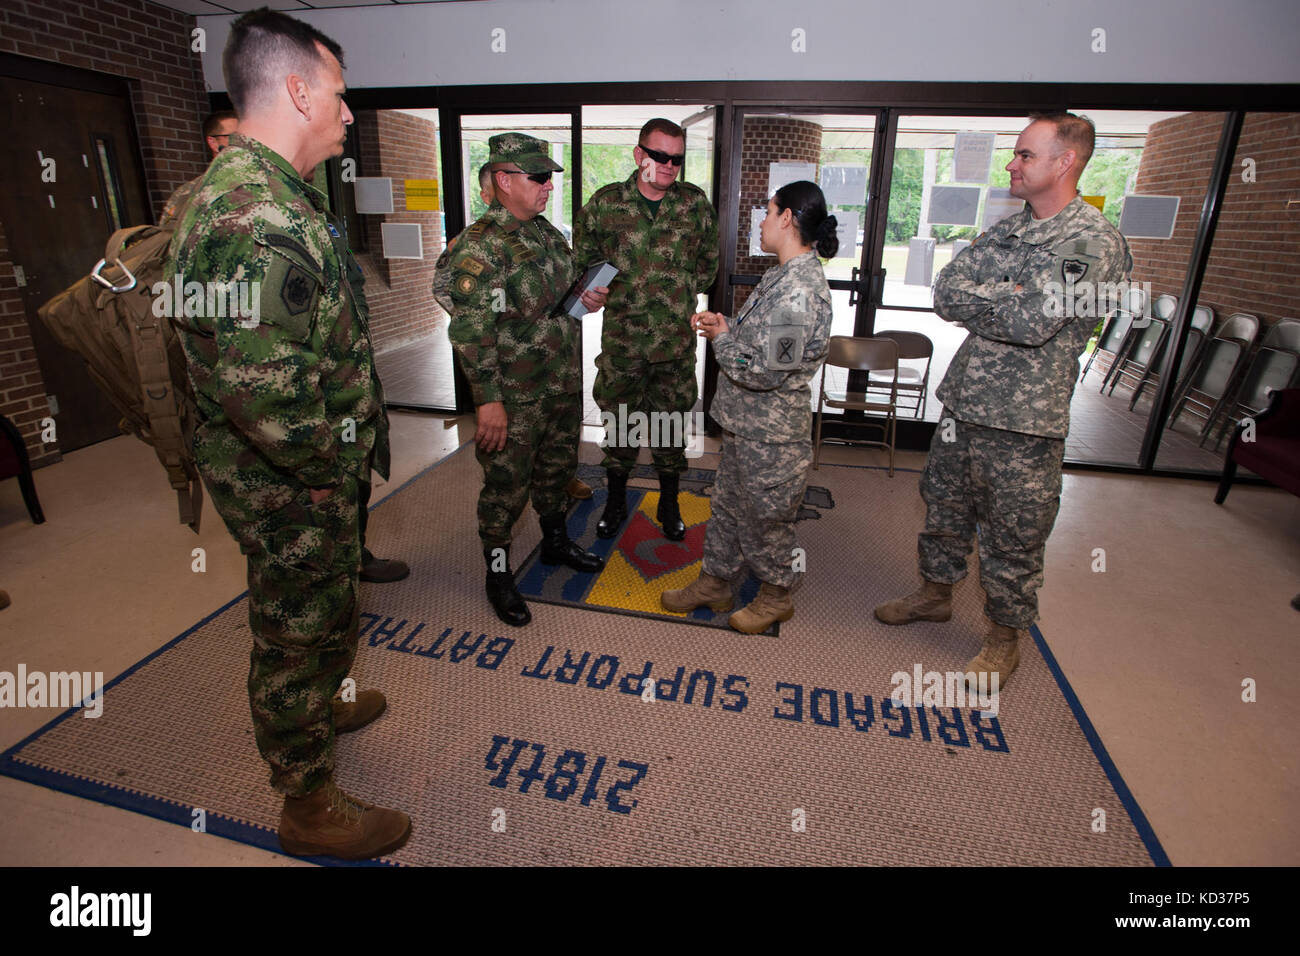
670 517
501 591
558 549
615 505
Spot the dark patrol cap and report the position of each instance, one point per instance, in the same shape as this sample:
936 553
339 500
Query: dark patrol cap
526 152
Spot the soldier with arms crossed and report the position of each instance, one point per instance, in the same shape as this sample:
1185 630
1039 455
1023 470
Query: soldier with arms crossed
291 417
996 457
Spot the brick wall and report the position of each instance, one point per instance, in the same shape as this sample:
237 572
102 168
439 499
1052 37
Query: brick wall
767 140
148 45
22 392
1256 253
399 291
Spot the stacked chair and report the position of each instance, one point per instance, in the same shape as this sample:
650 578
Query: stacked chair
1202 322
1115 334
1143 346
1276 366
1217 373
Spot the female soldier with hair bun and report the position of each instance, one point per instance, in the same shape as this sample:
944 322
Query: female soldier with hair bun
767 357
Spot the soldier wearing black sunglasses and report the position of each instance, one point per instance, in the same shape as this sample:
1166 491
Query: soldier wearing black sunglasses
662 235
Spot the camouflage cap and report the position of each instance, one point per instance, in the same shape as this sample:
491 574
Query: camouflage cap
526 152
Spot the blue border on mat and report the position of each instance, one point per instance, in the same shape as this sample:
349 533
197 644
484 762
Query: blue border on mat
1126 798
158 807
263 839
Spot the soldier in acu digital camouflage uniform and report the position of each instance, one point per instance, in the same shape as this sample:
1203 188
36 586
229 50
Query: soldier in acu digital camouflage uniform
996 457
510 272
662 235
290 416
767 356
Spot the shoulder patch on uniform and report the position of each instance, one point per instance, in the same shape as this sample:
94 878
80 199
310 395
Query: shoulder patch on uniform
476 231
785 346
297 290
466 284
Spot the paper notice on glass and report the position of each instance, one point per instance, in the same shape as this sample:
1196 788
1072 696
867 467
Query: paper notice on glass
972 157
954 205
999 204
782 174
756 217
1148 217
846 230
600 274
844 184
920 262
422 195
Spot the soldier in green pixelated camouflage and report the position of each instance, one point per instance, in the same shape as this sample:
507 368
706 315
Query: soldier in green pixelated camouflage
510 272
995 461
291 417
217 130
662 235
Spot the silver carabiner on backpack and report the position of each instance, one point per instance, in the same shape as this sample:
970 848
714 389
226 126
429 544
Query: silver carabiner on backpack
94 274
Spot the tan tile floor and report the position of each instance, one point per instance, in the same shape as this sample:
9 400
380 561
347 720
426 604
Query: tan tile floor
1194 599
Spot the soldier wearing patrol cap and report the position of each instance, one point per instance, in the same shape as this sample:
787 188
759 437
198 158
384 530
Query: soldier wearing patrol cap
996 456
291 418
510 272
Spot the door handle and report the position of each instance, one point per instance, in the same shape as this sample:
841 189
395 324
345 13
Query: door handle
854 277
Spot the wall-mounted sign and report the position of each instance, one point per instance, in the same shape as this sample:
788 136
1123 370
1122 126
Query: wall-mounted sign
373 194
1148 217
402 240
422 195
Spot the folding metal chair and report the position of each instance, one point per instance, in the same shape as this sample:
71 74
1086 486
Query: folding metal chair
1202 320
911 381
1275 366
860 355
1211 381
1115 332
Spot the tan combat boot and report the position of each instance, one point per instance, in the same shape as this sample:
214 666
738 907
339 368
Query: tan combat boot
706 589
328 822
771 604
931 602
1000 654
577 488
355 715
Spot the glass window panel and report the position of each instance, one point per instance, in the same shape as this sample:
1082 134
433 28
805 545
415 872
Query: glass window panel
1249 289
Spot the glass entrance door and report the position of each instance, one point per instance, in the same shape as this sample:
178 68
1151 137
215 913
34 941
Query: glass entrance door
835 150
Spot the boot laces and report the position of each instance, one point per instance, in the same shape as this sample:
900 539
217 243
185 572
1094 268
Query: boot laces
340 802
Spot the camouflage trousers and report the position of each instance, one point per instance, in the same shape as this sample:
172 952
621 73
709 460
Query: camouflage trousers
625 385
1008 486
755 502
540 457
302 607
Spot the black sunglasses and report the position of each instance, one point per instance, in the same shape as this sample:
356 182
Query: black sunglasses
663 158
539 178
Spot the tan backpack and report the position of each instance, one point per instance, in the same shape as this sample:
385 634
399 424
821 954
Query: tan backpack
134 356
